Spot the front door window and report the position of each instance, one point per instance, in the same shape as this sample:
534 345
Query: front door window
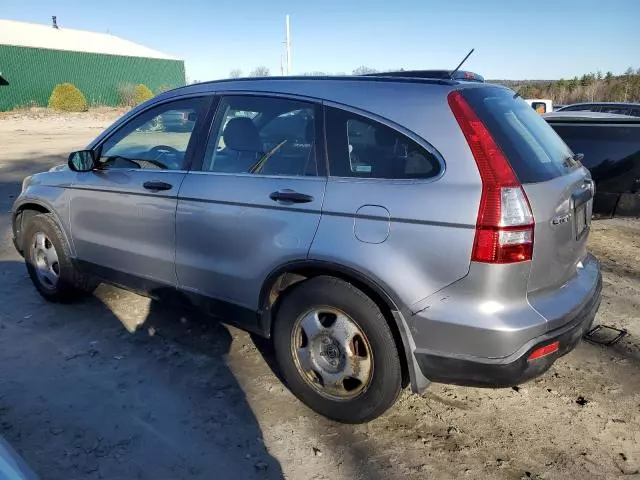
157 139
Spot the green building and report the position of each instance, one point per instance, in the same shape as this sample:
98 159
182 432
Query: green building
35 58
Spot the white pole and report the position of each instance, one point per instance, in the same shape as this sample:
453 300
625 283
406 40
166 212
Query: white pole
288 47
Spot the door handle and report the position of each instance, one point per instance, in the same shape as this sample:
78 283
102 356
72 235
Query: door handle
157 186
290 196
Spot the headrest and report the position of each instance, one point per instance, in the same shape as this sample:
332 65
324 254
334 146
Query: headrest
242 135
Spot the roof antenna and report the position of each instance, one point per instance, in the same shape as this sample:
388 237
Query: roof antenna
55 21
460 64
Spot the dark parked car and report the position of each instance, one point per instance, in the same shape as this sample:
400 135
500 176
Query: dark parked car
619 108
611 147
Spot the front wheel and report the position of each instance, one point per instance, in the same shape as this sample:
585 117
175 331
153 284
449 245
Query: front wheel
336 351
48 261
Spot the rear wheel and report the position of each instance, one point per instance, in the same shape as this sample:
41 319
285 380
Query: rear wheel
336 350
48 262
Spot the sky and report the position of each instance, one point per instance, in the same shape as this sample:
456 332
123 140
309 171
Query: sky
534 39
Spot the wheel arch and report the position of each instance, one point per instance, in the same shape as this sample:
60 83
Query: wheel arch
281 279
23 211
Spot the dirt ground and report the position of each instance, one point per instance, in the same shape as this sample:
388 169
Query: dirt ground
186 397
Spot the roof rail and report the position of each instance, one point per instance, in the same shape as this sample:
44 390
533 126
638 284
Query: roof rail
364 78
460 75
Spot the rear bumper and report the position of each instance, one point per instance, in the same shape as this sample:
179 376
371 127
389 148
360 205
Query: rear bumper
516 368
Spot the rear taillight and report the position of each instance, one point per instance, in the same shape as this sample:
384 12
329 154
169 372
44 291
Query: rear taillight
504 228
185 116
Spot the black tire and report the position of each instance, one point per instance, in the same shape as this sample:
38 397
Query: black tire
71 285
386 379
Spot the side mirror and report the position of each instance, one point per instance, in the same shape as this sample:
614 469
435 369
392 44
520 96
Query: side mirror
82 161
192 117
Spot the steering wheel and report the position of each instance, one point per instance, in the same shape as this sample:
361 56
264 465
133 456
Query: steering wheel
160 151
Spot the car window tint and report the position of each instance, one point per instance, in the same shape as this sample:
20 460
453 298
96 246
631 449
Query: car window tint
261 135
533 149
156 139
361 147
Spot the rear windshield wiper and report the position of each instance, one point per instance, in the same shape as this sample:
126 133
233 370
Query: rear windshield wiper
574 160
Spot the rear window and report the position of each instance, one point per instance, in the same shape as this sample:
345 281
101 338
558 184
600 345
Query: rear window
539 107
536 153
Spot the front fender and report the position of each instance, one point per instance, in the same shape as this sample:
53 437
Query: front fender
26 202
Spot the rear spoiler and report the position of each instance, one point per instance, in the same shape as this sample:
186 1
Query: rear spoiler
460 75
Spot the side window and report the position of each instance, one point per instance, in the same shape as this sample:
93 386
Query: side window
261 135
602 146
361 147
617 110
577 108
539 107
156 139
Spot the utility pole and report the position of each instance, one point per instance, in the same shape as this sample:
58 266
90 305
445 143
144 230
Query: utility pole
288 48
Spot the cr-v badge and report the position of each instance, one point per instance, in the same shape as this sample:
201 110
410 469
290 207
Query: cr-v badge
560 219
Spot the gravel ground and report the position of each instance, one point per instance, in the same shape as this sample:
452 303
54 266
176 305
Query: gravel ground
82 397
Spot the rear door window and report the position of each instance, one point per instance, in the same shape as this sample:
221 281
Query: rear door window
536 153
263 135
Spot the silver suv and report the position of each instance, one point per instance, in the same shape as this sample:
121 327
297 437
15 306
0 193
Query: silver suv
382 231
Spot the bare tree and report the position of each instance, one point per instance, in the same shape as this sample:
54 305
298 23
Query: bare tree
364 70
260 71
560 94
127 94
235 73
591 90
628 83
